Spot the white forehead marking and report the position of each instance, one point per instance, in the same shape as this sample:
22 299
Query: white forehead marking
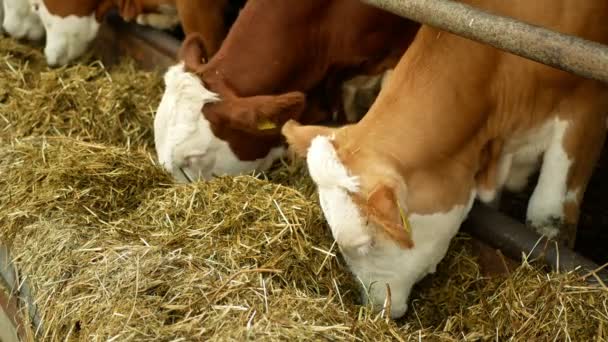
348 227
67 37
19 20
184 140
177 115
326 169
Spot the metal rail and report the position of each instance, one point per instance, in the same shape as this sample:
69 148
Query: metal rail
514 238
569 53
19 287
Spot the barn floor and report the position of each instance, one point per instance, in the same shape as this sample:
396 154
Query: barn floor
112 249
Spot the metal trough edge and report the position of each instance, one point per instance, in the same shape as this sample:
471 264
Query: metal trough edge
514 238
152 49
18 287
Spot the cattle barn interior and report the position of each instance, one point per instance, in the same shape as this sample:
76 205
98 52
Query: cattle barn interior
97 242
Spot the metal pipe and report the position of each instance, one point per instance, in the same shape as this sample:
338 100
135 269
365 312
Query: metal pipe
514 238
569 53
10 277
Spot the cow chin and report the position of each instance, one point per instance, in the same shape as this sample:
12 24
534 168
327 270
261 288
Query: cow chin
20 22
202 156
67 37
185 143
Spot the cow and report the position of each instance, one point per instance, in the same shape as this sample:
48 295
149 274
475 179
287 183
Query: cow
71 25
19 21
280 60
457 120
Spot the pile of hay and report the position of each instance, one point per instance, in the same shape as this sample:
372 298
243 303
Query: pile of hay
114 250
87 102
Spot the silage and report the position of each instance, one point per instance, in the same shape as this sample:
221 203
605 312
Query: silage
113 249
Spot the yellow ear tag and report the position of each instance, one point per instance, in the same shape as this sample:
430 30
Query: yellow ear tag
264 125
405 220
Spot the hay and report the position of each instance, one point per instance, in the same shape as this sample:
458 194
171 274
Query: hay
113 250
88 102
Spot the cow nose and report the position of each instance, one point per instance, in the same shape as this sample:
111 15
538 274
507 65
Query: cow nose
56 55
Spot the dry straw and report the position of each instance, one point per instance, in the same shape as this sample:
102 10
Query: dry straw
113 250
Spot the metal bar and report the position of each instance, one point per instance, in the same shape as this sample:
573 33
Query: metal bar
569 53
513 238
10 276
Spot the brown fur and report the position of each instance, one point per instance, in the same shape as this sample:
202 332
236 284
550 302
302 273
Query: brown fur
277 47
464 100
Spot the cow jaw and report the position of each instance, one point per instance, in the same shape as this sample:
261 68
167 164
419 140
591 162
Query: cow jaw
375 260
185 143
67 38
20 21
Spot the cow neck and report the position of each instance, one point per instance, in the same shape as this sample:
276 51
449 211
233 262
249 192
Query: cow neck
441 108
251 64
431 139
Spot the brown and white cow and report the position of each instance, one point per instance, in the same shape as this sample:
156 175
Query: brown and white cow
71 25
281 60
457 120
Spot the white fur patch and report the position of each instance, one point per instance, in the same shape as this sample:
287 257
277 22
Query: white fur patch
183 137
379 261
547 200
387 263
19 20
526 151
348 227
67 38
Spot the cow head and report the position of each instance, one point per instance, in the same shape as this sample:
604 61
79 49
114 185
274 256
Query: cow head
360 208
19 21
70 30
367 199
71 26
200 133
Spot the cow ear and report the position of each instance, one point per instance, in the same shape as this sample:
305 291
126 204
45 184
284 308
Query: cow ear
193 51
299 137
274 111
385 207
129 9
